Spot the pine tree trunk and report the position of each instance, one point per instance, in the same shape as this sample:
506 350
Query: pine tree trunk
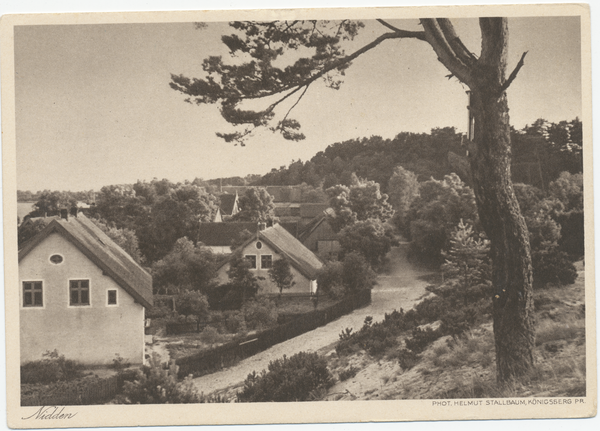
502 221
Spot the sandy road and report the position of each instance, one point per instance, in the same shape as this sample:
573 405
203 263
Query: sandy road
400 287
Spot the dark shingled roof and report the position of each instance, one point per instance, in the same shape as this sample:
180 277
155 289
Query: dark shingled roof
227 203
222 234
101 250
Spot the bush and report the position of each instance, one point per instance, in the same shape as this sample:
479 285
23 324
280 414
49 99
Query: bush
235 322
155 384
348 373
210 335
288 379
260 313
421 339
52 368
552 266
407 359
192 304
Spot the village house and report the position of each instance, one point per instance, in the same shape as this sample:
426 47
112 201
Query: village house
228 206
218 237
273 243
81 294
320 238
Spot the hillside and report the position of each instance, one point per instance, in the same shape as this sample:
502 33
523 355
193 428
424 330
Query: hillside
465 368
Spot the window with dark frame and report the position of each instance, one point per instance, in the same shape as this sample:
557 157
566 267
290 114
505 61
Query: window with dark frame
266 261
33 294
251 258
112 297
79 292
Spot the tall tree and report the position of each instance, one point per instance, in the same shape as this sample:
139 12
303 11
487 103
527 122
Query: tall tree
261 77
256 204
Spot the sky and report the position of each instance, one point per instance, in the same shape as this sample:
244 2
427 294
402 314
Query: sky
94 106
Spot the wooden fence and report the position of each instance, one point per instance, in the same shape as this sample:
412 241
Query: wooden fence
227 354
95 392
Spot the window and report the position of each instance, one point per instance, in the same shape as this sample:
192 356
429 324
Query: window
112 297
251 258
266 261
33 294
258 245
56 259
79 292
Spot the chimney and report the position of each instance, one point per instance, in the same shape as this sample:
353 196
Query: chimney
261 226
64 213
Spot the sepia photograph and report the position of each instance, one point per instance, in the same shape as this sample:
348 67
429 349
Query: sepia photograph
357 214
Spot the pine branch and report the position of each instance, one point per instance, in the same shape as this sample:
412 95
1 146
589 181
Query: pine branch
514 73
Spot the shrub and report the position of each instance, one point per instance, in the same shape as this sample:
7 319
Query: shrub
52 368
155 384
407 359
552 266
348 373
210 335
288 379
421 339
120 363
192 304
235 322
260 313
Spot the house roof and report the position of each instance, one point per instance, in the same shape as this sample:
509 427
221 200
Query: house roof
227 203
101 250
311 210
300 257
222 234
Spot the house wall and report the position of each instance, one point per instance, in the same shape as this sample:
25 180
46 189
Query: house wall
91 334
303 284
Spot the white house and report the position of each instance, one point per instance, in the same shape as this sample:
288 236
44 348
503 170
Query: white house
81 294
270 244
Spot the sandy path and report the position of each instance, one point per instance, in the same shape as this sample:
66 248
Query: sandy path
399 288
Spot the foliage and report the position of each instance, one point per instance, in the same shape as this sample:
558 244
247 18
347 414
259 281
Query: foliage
348 373
192 303
256 205
185 267
341 278
155 384
288 379
160 212
241 280
124 238
435 213
467 265
402 188
370 238
358 202
120 363
29 229
281 274
552 265
421 339
407 359
51 202
52 368
260 313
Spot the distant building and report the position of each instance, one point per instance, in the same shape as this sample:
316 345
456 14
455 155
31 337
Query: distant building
228 206
81 294
319 237
219 236
273 243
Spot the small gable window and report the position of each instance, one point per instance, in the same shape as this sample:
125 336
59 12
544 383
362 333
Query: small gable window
112 297
56 259
266 261
33 294
79 292
258 245
251 258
